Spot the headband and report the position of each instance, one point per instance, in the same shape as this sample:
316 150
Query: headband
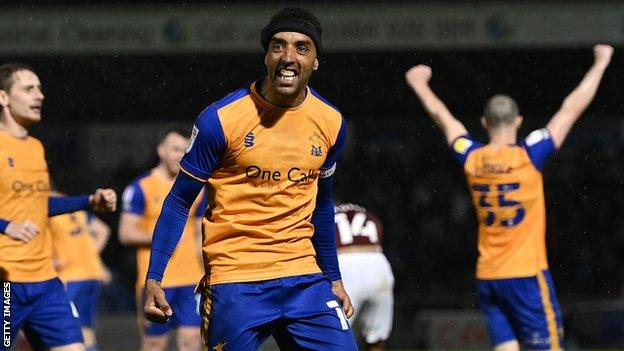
291 25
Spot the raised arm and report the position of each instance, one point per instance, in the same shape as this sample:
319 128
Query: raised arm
418 78
578 100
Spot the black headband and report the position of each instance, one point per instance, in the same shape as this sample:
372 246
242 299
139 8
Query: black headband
291 25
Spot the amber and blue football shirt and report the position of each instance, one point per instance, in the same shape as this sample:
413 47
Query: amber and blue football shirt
74 247
508 194
261 164
144 197
24 191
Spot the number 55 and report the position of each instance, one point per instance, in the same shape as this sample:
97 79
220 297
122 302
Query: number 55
503 189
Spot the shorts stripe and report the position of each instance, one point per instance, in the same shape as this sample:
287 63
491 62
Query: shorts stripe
549 311
205 314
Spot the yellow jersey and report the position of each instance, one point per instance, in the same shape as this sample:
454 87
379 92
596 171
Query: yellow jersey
74 248
261 164
507 191
144 197
24 192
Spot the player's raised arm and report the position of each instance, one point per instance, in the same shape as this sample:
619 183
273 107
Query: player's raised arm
418 78
578 100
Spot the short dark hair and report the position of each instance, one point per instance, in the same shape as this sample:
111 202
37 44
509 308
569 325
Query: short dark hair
501 110
7 71
293 19
181 130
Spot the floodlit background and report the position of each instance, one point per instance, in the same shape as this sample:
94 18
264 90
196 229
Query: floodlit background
117 73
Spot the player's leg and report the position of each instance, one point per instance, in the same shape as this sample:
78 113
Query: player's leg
533 305
189 339
22 342
512 345
70 347
501 330
21 304
53 320
356 283
155 336
376 320
313 317
186 308
154 342
88 334
239 316
84 294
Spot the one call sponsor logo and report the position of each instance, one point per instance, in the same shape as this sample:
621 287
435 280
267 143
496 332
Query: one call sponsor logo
19 187
6 314
294 174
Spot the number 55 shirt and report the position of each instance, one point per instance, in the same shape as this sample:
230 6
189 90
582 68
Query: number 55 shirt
508 194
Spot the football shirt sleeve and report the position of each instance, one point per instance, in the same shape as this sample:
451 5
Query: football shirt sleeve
3 225
171 222
462 147
540 146
66 204
206 146
133 199
324 238
329 166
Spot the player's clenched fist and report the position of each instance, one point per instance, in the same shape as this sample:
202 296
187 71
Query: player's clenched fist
103 200
420 74
603 53
24 231
156 307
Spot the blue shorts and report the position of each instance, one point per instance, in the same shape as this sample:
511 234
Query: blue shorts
301 313
84 294
523 309
43 310
185 305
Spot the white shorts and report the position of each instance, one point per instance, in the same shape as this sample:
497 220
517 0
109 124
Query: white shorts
369 281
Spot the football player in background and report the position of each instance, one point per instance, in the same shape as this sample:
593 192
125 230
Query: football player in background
78 239
142 203
514 286
366 272
38 301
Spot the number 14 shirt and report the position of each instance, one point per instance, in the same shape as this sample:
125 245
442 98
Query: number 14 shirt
508 194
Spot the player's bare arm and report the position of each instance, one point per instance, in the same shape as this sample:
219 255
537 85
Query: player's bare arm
418 78
100 232
103 200
575 103
129 231
156 307
340 292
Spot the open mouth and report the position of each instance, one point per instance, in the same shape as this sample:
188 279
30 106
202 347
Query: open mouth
36 108
286 76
